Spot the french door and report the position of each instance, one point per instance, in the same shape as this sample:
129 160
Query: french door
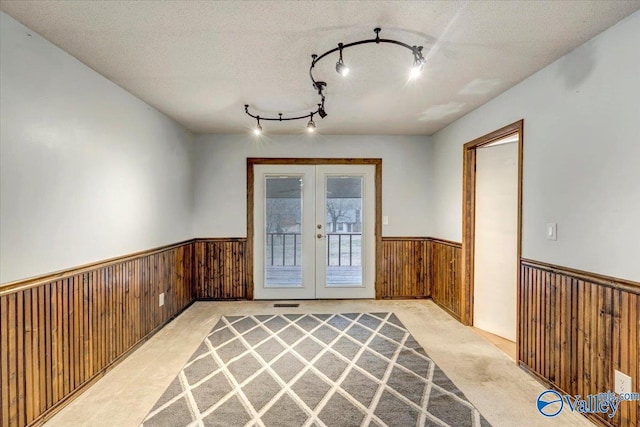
314 231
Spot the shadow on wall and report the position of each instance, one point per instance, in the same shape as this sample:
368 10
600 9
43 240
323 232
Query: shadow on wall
576 67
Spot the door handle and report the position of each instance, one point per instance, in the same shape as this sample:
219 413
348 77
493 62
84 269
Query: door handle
319 236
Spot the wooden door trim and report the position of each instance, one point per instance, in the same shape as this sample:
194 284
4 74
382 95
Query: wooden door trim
468 215
252 161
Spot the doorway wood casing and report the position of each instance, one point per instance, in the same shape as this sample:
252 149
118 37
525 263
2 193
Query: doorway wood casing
469 213
252 161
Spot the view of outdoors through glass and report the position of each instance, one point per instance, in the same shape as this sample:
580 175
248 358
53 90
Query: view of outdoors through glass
343 230
283 239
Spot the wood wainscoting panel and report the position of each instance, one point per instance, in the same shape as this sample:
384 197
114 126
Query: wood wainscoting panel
626 349
404 268
576 328
61 332
221 269
446 261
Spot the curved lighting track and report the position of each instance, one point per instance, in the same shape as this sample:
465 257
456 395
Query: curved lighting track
279 118
320 85
342 69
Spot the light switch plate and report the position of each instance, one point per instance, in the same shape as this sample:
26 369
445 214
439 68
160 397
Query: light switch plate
622 382
385 220
552 231
161 300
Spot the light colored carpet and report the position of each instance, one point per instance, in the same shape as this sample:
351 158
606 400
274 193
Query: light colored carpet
354 369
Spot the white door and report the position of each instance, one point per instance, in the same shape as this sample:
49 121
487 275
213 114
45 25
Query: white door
314 231
496 239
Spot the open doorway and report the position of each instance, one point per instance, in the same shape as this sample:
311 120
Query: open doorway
492 234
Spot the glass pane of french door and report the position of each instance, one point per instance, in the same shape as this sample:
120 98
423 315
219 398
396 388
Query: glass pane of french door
283 258
343 225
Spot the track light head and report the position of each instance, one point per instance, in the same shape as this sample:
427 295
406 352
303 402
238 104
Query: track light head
416 69
342 69
311 126
415 72
418 63
258 129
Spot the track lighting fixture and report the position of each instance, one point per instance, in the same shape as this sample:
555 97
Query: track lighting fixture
343 70
416 70
311 126
258 129
321 112
418 63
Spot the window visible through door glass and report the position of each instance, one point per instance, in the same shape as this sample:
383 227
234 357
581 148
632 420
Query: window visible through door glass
283 226
343 246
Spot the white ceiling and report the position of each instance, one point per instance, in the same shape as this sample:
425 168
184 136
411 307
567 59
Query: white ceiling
199 62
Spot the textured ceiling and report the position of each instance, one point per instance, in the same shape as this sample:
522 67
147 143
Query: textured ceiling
201 61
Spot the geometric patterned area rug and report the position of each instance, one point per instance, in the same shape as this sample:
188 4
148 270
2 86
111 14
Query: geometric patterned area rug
353 369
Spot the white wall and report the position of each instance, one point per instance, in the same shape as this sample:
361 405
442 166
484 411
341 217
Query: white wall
495 276
220 176
581 151
87 170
